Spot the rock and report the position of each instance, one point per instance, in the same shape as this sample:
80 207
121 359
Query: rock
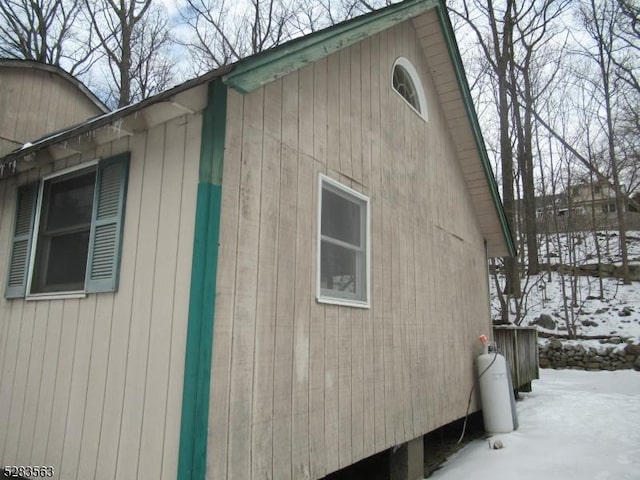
615 340
625 312
496 444
555 344
632 349
545 321
589 323
636 364
600 311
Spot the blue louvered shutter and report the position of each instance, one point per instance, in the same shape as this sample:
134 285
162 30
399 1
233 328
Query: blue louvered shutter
21 243
105 241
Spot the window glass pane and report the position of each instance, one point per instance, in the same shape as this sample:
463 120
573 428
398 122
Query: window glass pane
403 84
63 237
340 218
69 201
338 268
62 263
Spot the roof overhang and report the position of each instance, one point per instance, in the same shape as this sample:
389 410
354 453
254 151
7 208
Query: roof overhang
447 71
188 97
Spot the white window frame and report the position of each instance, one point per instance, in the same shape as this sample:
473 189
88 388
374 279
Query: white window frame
323 296
415 78
36 232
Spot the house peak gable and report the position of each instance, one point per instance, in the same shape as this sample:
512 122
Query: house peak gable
258 70
14 63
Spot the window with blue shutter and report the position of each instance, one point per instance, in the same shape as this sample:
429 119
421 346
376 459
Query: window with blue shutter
106 224
76 227
21 244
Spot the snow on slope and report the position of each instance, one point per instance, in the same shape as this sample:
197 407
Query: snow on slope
616 314
584 249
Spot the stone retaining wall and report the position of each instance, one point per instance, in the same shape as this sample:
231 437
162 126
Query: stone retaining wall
558 354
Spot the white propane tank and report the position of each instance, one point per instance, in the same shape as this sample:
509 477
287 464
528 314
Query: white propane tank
495 393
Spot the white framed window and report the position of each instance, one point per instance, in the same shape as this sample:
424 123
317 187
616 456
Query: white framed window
609 207
62 229
68 231
406 83
343 245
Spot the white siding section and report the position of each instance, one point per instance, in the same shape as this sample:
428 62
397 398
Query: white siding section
93 386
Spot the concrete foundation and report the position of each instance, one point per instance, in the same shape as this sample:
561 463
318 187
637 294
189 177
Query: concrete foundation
406 462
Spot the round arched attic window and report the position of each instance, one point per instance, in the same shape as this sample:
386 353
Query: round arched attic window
406 83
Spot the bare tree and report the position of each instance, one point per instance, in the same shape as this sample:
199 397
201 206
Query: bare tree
493 28
46 31
134 36
221 32
511 35
600 20
535 29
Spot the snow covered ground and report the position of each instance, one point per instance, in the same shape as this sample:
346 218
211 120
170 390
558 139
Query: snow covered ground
574 425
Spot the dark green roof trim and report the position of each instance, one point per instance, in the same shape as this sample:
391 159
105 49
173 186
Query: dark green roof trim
258 70
456 61
192 456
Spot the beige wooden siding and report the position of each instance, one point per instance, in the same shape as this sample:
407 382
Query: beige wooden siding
93 386
35 102
299 388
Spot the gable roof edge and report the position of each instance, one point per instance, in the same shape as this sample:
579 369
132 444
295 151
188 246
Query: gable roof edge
458 67
260 69
55 70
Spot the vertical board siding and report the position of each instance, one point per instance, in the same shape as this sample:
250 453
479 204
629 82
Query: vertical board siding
36 102
300 388
93 386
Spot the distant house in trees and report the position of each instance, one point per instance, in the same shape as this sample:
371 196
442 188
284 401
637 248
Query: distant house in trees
275 270
584 206
597 199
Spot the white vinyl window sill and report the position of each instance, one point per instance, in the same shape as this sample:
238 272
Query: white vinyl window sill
343 302
56 296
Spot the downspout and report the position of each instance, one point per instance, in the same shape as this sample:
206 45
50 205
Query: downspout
192 457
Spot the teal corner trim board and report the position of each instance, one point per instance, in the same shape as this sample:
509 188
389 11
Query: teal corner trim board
192 458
